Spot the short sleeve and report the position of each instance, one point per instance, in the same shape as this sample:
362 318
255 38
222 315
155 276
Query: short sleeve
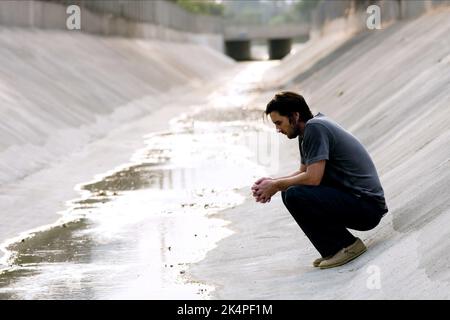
316 143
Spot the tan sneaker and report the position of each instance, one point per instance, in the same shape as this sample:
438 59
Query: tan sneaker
319 260
345 255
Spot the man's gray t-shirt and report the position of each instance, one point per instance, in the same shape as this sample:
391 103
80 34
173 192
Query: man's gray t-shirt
348 165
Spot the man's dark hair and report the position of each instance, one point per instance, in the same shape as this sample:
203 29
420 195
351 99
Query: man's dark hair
286 103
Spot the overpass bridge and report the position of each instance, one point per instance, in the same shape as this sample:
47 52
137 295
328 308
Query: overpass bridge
238 38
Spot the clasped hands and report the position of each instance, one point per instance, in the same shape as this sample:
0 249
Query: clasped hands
263 189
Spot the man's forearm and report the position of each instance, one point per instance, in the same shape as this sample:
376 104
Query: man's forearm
293 180
289 176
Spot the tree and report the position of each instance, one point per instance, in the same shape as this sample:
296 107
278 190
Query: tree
305 7
207 7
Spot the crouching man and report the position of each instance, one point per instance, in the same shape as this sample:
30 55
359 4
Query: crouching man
336 188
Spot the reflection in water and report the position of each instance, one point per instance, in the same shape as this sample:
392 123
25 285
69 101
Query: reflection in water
54 248
144 223
195 157
132 178
61 244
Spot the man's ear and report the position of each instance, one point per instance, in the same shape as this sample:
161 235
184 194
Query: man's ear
296 116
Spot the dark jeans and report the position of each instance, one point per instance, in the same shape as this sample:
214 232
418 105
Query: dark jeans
324 213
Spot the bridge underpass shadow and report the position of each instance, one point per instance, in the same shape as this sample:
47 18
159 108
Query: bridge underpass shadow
256 50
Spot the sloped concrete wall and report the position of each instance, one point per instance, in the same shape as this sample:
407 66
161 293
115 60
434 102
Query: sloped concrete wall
59 86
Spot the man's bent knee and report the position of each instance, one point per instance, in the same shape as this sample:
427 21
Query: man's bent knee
295 196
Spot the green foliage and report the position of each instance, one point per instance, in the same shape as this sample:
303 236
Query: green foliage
300 12
281 19
247 17
307 5
305 8
207 7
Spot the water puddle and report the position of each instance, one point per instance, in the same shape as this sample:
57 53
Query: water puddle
134 231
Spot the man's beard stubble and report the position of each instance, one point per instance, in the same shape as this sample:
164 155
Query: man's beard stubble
295 129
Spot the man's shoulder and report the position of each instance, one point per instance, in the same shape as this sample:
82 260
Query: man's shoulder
319 121
315 121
